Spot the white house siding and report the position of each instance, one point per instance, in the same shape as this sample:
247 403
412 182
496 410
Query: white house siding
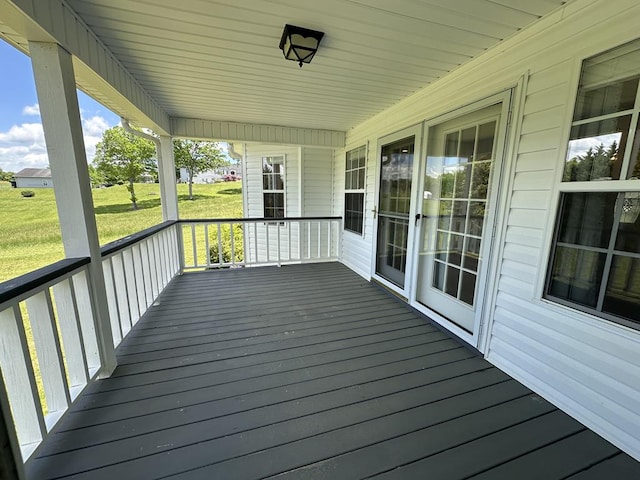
254 202
587 366
316 198
356 249
34 182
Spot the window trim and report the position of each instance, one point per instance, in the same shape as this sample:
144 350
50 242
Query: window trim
362 190
284 183
574 311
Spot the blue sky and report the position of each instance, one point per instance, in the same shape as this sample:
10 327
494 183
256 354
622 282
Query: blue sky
21 137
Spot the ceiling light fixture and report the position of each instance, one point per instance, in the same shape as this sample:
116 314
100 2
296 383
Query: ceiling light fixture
300 44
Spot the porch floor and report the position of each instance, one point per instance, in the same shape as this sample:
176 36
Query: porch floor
310 372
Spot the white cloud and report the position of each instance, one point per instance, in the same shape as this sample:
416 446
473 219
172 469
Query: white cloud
93 128
580 146
23 146
31 110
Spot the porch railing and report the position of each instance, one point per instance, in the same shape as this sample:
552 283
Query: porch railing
136 270
49 348
48 312
236 242
48 344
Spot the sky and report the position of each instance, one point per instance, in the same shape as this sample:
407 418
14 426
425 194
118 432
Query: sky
21 135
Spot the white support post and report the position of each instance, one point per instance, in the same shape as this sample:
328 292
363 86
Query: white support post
56 87
167 179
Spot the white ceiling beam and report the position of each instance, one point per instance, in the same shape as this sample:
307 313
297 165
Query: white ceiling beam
249 132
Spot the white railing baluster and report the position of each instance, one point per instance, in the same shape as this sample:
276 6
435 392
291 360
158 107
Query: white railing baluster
267 225
139 270
300 240
82 295
146 268
167 256
309 239
112 301
290 225
233 245
48 351
127 263
193 245
72 341
207 247
255 242
319 240
153 263
278 246
158 262
329 242
220 256
165 259
20 382
120 281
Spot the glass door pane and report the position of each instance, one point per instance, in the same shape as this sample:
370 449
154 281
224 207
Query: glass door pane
393 212
457 183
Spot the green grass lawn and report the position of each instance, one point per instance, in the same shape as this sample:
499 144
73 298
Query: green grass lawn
30 233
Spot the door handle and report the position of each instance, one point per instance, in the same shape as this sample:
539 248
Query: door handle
418 217
375 212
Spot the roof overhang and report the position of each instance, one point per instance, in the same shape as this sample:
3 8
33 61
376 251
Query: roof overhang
212 69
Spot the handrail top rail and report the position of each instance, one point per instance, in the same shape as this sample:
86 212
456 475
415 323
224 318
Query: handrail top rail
258 219
18 286
124 242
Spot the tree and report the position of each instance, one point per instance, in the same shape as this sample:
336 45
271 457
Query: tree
96 176
197 157
6 176
123 157
595 164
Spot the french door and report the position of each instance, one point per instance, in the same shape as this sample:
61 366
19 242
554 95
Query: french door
395 207
459 203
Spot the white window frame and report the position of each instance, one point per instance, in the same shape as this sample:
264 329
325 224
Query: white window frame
593 186
356 190
281 159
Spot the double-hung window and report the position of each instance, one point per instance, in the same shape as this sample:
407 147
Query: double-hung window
273 194
595 256
354 186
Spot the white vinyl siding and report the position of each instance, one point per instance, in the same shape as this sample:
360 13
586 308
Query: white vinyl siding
356 249
308 193
587 366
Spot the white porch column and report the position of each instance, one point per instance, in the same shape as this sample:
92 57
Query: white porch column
167 179
56 89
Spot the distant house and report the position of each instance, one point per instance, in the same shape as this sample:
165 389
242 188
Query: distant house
34 178
212 176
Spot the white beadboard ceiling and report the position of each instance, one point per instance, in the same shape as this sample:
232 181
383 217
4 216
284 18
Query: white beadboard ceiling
219 59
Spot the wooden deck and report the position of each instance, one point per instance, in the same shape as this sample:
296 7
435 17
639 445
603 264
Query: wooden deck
310 372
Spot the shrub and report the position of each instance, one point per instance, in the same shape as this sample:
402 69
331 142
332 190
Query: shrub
28 193
238 245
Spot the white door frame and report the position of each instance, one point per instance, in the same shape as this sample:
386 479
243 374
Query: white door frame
415 131
486 287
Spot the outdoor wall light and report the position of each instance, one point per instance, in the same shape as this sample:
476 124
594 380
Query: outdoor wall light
300 44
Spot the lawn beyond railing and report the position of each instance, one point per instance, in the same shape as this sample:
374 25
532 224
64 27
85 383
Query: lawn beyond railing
49 347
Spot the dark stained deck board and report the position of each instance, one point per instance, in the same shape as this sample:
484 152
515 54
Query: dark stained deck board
309 372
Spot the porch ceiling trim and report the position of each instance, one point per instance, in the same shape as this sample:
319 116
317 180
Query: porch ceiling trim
250 132
98 72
